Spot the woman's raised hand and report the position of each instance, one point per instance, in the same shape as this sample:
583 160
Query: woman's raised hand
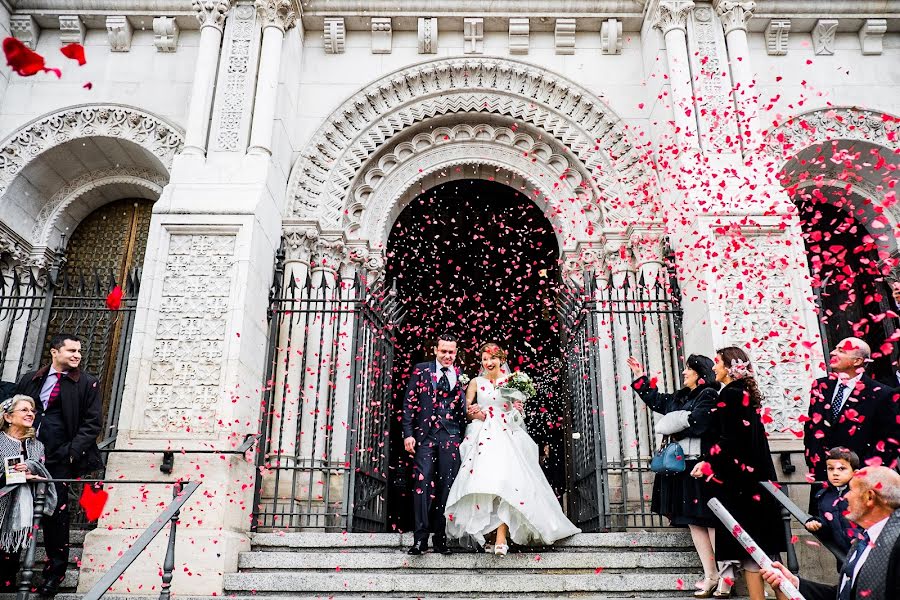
636 368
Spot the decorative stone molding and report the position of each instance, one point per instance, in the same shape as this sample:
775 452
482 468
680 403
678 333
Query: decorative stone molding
25 29
119 31
281 15
382 35
823 36
649 246
592 133
473 35
821 126
564 36
12 246
586 258
211 13
673 14
777 34
165 34
611 37
153 134
231 121
71 29
557 184
735 14
871 36
334 35
519 32
64 197
428 35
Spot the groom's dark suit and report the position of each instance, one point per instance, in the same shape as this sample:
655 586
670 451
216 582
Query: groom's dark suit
436 419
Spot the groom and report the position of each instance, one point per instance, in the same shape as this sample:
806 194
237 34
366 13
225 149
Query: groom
434 417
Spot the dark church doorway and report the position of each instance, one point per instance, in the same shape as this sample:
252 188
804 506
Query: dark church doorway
479 259
848 275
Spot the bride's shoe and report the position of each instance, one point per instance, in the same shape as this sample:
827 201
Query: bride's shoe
501 549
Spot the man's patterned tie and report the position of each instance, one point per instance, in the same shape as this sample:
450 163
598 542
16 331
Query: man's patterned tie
838 402
54 393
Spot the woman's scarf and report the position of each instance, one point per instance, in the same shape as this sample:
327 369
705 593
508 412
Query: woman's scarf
17 507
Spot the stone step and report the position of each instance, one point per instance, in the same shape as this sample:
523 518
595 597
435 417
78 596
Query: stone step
366 542
664 596
462 585
274 561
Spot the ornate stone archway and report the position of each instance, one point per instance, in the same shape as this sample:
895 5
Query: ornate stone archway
565 130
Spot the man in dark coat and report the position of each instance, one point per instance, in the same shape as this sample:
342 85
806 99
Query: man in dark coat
68 406
434 417
852 411
872 569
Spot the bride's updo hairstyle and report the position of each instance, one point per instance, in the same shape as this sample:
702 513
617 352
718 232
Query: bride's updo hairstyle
493 349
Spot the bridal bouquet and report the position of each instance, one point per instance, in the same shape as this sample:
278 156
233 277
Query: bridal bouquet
518 386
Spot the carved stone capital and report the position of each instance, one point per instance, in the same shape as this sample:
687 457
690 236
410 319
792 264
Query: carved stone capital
735 14
298 243
673 14
211 13
277 13
649 249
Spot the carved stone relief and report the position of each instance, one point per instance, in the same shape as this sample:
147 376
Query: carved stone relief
560 109
673 14
186 368
519 31
428 35
25 29
777 34
565 36
611 36
823 36
234 110
165 34
871 36
473 35
211 13
71 30
157 137
735 14
382 35
119 32
334 35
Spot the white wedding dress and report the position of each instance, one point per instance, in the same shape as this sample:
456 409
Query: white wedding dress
500 480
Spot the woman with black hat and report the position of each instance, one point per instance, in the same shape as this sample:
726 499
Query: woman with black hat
689 419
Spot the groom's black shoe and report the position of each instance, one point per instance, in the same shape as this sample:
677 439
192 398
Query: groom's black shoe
418 548
442 549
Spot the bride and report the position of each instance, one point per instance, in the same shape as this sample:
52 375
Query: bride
500 486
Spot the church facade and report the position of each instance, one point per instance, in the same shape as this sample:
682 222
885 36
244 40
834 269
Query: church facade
239 168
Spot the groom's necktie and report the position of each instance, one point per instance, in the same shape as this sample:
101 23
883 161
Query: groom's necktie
846 585
444 383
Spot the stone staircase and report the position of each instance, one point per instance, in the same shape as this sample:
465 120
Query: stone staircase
334 565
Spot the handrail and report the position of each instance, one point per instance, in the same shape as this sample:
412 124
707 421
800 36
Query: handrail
181 492
168 461
790 509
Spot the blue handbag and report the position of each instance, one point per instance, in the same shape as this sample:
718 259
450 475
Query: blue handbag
669 459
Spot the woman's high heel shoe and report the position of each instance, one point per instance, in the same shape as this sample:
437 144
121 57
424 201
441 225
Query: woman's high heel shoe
708 589
501 549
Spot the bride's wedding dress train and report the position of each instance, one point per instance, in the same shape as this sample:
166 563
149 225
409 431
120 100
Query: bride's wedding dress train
500 480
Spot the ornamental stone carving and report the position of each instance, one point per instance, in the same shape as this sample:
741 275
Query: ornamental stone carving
871 36
777 35
153 134
823 36
334 35
25 29
382 35
71 29
119 32
277 13
428 35
564 36
841 123
165 34
673 14
592 134
211 13
473 35
234 108
611 36
186 367
735 14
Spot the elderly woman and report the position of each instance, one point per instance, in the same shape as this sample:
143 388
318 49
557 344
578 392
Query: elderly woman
735 466
17 507
689 419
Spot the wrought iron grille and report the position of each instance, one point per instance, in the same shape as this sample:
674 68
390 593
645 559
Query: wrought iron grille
612 436
323 453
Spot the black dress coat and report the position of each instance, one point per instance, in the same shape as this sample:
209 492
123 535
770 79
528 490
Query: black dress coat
79 394
867 423
740 459
420 408
681 497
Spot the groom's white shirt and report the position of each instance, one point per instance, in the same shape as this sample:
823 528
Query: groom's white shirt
451 374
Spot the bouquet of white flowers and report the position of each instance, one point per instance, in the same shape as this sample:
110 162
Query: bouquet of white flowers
520 383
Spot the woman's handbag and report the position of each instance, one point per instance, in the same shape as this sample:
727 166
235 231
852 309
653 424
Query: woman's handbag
669 459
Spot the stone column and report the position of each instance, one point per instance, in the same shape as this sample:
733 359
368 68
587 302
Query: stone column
671 19
278 16
735 15
211 14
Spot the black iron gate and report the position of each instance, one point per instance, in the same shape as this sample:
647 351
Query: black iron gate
324 451
35 304
604 321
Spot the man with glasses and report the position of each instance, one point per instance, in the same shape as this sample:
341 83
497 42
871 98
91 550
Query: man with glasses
68 407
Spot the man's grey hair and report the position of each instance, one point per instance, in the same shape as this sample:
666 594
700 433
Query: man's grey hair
885 482
858 347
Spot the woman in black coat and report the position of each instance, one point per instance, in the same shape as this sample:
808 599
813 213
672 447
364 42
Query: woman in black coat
737 463
689 418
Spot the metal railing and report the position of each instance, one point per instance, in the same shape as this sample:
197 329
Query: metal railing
181 492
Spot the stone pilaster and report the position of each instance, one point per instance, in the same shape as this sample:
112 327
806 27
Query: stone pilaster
211 15
735 16
278 17
671 18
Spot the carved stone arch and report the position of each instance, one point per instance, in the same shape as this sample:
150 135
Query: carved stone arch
591 133
75 191
159 137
